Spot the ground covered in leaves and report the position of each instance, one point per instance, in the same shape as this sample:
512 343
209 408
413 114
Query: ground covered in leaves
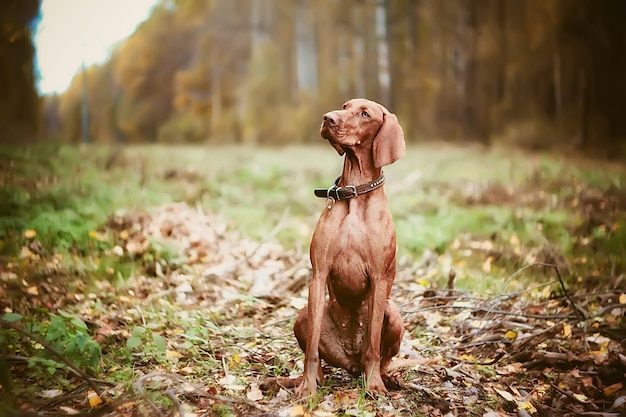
125 290
200 336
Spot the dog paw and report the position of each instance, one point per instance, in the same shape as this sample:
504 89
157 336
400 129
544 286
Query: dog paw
393 383
305 390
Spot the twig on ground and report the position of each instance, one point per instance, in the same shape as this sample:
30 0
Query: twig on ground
581 313
492 311
138 385
535 339
428 391
573 397
169 393
492 361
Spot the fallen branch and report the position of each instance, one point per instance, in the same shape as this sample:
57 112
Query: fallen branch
138 385
573 397
492 311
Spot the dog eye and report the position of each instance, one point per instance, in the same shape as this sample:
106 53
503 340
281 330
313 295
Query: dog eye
344 106
364 114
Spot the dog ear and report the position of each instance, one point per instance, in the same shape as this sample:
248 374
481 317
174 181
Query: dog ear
389 143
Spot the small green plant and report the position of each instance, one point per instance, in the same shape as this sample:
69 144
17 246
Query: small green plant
66 333
153 343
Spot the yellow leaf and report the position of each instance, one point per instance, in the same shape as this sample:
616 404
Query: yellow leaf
511 335
93 398
622 298
172 354
124 234
236 358
528 406
101 237
29 234
32 290
487 264
297 411
423 282
567 331
612 389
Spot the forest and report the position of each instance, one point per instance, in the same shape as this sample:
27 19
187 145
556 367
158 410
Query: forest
531 73
156 217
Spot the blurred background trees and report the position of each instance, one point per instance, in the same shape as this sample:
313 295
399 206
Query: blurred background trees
536 73
19 102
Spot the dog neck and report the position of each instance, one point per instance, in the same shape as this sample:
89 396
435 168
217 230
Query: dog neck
358 168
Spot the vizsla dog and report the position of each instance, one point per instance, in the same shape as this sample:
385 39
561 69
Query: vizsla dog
353 254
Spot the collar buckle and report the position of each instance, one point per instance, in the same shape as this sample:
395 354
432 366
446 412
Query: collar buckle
354 192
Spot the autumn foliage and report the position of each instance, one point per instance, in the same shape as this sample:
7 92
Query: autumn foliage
535 73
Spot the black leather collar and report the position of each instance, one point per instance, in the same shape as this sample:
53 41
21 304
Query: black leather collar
336 192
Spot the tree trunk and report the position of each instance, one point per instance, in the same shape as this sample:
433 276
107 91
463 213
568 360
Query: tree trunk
306 48
382 47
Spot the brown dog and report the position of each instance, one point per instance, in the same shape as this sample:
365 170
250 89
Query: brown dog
353 254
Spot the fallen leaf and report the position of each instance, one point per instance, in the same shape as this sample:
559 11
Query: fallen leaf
32 290
94 399
29 234
567 331
118 250
511 335
322 413
487 264
51 393
172 354
25 252
622 298
254 394
297 411
137 247
229 382
598 339
612 389
581 397
423 282
527 406
505 394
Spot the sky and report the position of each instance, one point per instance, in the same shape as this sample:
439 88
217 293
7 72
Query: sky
70 31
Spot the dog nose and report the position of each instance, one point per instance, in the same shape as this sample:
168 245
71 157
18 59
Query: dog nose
329 119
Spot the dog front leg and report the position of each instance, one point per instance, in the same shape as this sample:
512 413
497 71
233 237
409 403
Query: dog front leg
312 366
371 353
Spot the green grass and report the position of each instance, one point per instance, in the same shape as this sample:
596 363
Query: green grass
438 194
